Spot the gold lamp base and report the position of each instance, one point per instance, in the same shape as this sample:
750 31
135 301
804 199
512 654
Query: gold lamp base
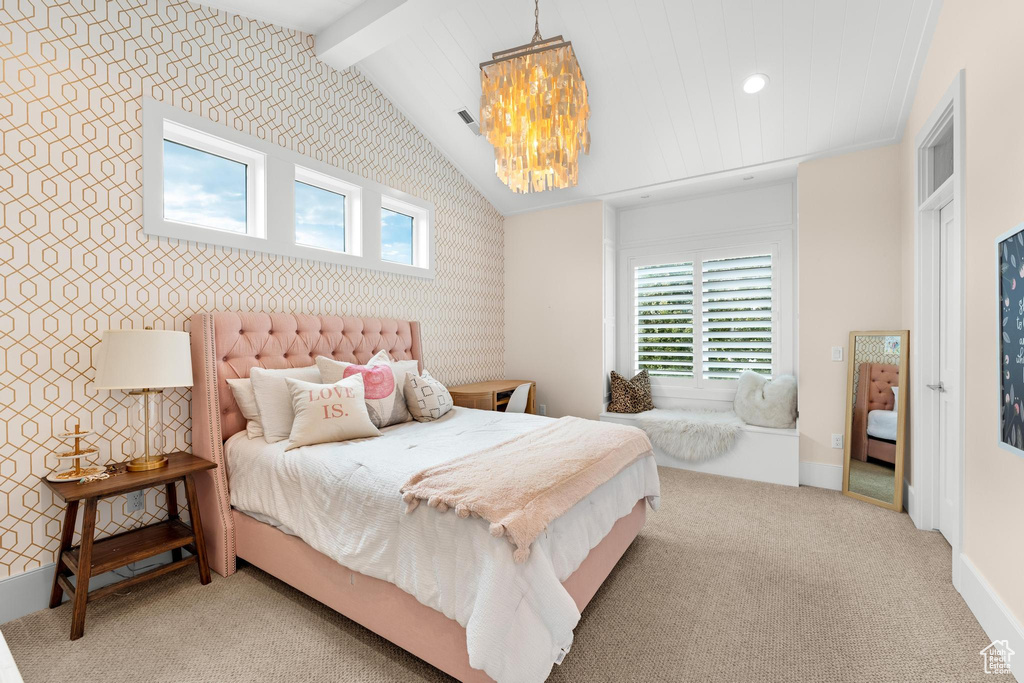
143 464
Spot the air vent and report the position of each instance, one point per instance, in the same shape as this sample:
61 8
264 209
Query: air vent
468 119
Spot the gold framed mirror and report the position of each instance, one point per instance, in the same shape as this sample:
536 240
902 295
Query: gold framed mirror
876 417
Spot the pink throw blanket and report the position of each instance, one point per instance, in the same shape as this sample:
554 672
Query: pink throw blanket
522 485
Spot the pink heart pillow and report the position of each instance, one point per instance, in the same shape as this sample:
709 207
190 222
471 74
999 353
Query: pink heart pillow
378 380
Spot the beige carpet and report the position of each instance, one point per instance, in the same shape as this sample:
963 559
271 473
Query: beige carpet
729 581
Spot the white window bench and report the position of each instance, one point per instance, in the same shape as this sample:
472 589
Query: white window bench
760 454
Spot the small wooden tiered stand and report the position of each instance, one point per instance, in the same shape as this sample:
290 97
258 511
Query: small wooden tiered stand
77 472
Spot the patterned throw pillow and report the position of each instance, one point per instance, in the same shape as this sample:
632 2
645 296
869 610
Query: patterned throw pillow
428 399
328 412
631 396
385 394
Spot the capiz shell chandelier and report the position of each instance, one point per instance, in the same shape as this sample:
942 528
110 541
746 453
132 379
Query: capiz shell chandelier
534 111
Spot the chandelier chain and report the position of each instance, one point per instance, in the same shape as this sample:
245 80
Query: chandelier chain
536 21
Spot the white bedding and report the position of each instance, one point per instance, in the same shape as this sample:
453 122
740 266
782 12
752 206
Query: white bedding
882 424
343 499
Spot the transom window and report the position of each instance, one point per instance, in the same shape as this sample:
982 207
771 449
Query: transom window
210 182
396 236
403 229
324 210
704 319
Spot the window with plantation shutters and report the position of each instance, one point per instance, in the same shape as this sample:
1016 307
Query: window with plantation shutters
736 316
664 319
705 318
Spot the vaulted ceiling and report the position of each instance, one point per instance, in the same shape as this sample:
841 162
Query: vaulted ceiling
665 77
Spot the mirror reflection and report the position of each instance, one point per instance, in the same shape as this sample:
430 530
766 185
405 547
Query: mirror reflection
876 418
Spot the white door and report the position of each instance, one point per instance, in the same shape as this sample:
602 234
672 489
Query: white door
948 387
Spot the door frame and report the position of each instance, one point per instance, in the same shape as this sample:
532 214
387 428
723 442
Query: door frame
923 498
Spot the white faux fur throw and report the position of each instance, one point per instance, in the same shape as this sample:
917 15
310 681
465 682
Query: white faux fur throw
693 435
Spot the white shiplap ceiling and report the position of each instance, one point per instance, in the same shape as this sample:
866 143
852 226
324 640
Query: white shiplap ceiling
664 78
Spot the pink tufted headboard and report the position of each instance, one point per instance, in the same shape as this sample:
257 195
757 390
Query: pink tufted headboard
226 345
874 392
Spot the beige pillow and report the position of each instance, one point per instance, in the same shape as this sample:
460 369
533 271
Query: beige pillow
245 397
328 412
428 399
384 384
275 401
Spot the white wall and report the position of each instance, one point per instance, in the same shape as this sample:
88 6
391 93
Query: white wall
758 207
983 38
608 271
554 306
735 217
850 279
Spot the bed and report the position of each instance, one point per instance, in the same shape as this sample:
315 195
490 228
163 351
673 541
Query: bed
328 519
875 420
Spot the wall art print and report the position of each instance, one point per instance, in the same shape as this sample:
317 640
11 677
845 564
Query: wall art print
1010 248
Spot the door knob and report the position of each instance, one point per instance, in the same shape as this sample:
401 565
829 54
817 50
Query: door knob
936 387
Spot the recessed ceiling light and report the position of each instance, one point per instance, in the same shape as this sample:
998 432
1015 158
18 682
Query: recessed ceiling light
754 83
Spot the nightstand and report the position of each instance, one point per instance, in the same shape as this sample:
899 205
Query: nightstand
491 395
96 556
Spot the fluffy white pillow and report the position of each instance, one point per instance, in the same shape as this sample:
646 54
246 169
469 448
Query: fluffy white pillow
328 412
245 397
766 403
896 395
384 383
428 399
274 400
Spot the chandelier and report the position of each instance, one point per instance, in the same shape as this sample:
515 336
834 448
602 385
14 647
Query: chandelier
534 111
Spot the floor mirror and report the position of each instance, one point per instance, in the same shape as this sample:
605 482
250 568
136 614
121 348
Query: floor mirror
876 417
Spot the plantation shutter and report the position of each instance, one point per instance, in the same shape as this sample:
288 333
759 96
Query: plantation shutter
736 316
664 319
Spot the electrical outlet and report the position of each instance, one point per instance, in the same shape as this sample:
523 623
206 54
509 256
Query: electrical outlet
542 409
837 441
136 501
837 353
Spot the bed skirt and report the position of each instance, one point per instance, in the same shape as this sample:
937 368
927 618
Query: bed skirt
394 614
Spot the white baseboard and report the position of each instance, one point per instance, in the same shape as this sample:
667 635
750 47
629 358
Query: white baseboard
29 591
995 618
821 475
908 499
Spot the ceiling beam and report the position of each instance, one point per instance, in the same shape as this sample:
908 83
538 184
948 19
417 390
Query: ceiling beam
372 26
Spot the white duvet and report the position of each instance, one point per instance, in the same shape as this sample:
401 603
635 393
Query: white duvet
343 499
882 424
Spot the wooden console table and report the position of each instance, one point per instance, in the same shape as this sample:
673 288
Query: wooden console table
93 557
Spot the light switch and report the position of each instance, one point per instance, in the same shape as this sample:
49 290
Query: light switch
837 353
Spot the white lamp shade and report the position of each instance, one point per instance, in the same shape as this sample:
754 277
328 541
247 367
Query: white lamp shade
143 359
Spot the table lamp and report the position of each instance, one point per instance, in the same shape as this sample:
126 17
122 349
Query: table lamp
145 362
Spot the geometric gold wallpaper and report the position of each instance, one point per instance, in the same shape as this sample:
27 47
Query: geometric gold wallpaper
74 260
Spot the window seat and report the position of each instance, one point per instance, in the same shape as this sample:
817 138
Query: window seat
761 454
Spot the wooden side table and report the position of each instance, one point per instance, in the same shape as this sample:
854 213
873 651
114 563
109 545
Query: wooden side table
93 557
491 395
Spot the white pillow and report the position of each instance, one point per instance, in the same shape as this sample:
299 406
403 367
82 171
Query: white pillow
766 403
274 400
328 412
384 384
245 397
896 395
428 399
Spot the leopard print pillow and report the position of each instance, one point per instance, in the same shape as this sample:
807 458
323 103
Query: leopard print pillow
631 396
